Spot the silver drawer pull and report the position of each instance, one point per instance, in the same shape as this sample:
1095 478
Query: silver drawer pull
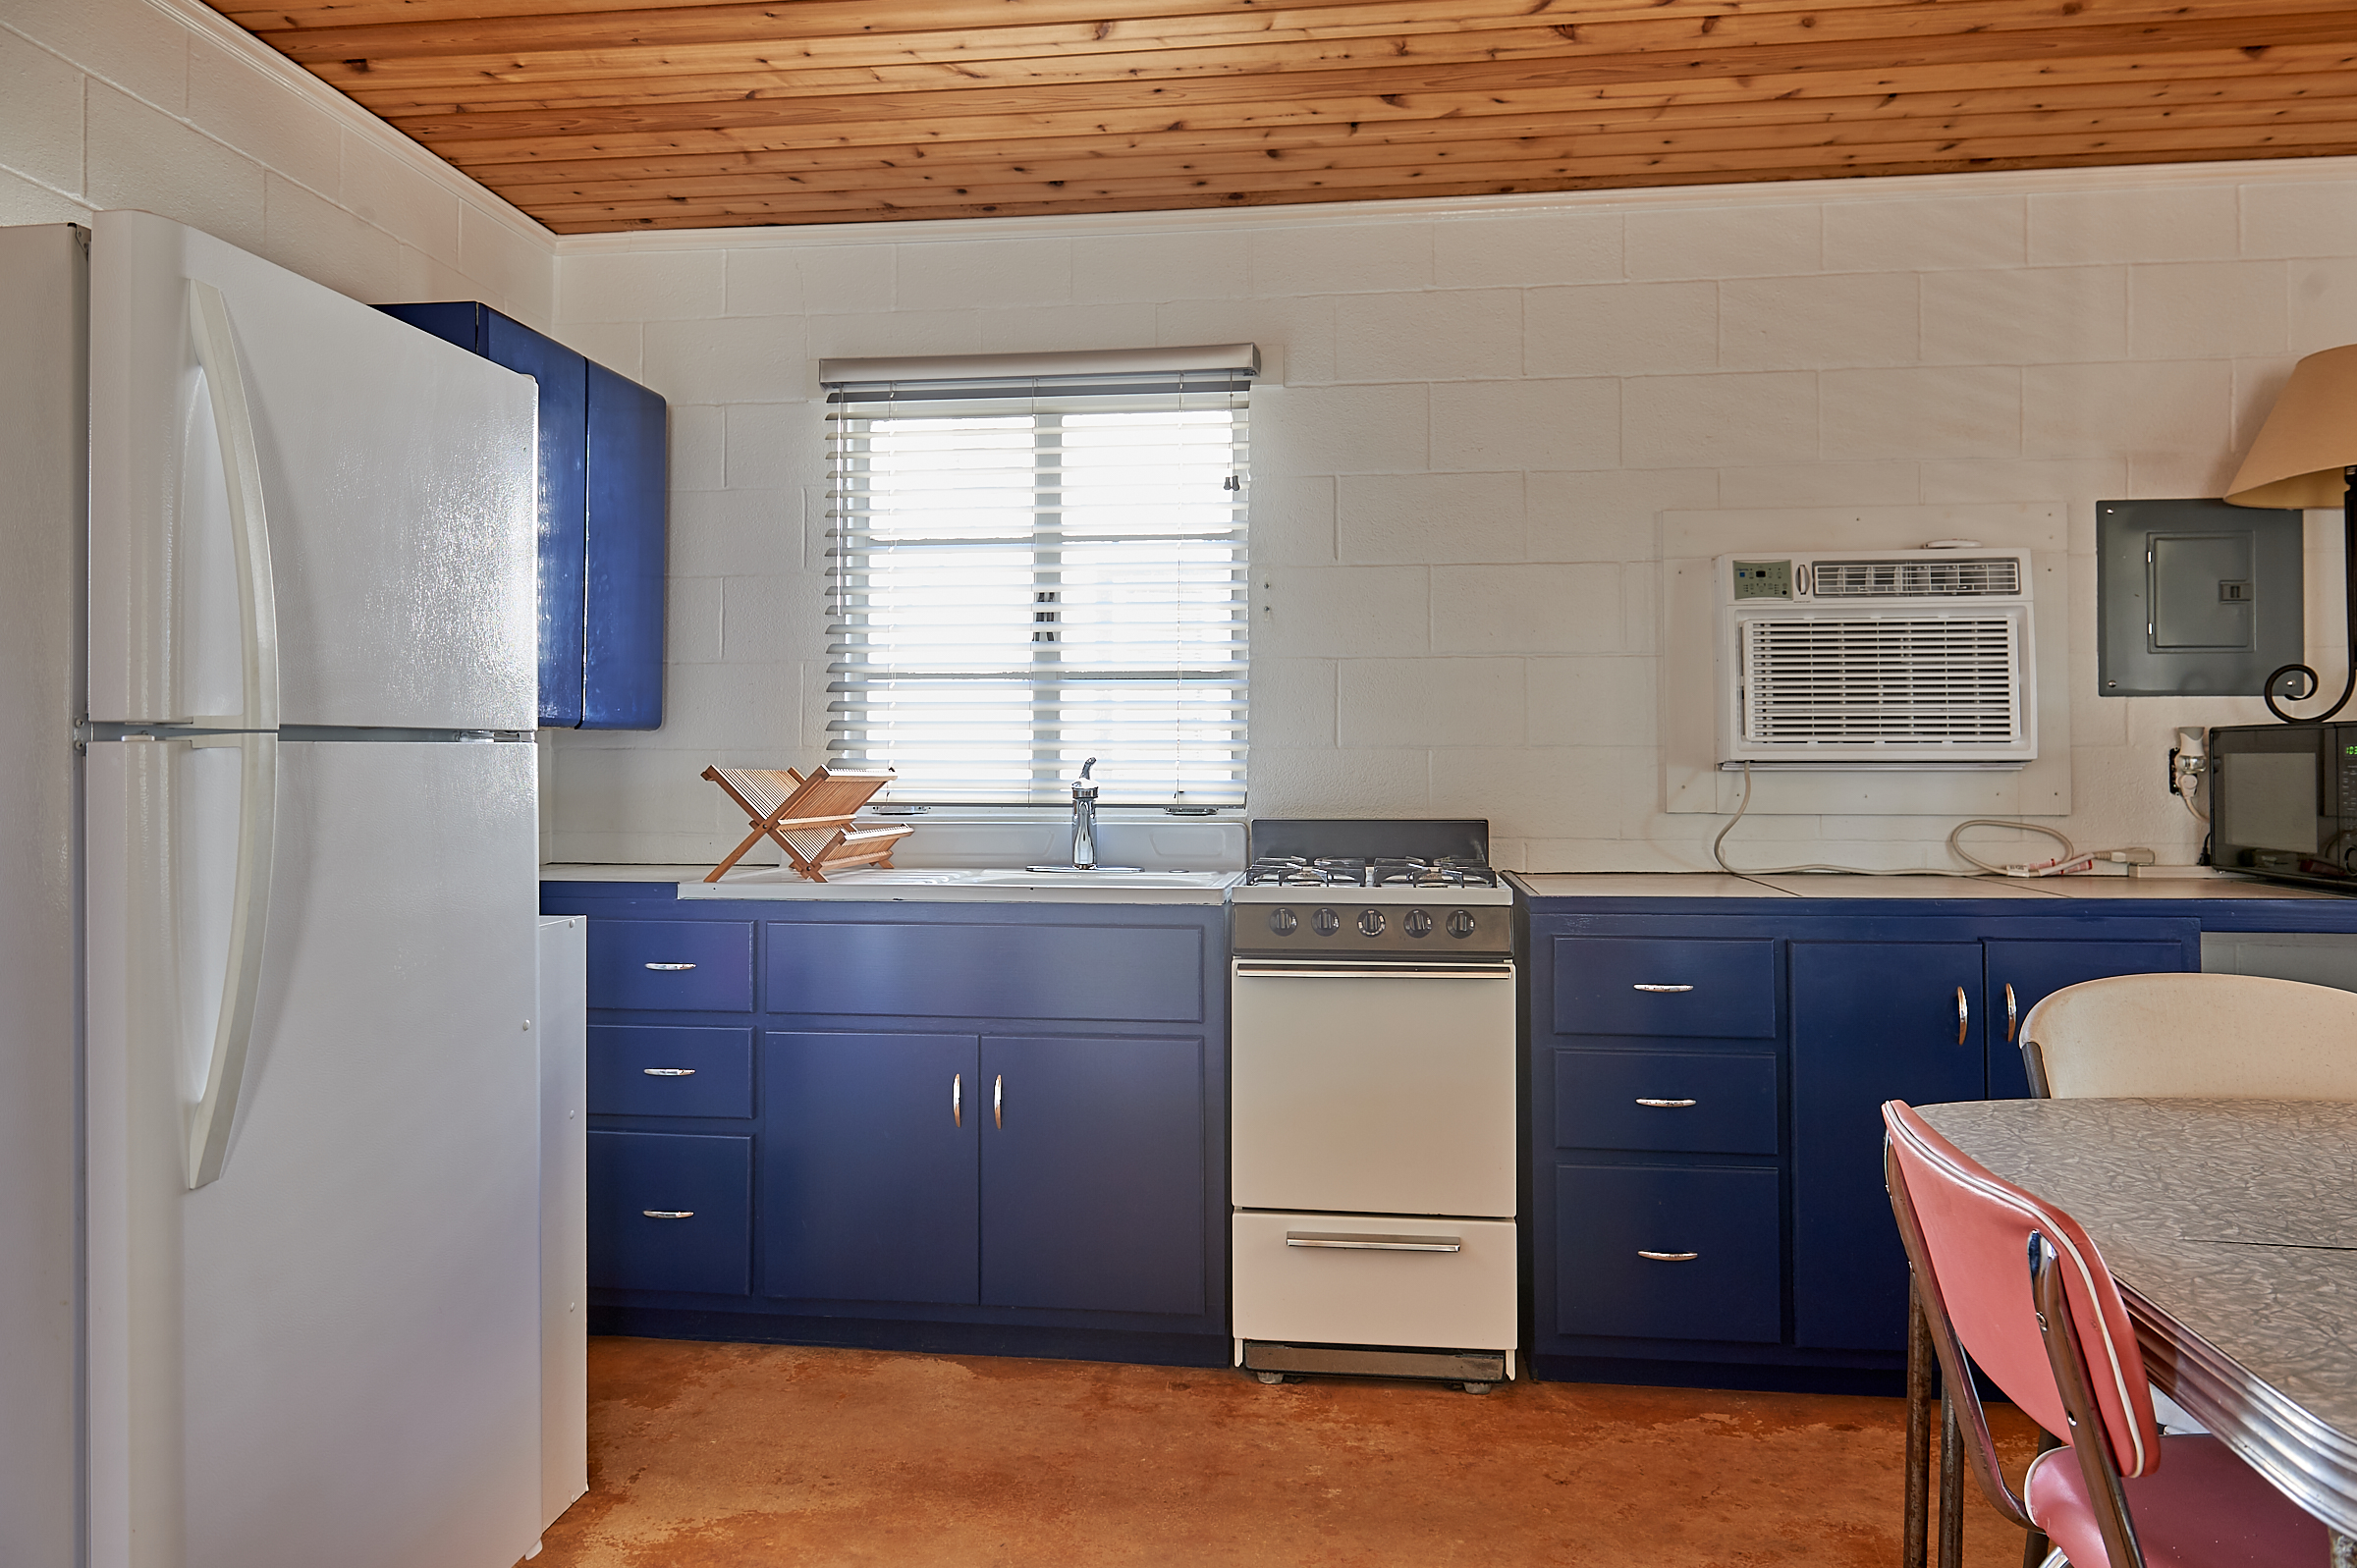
1664 1104
1668 1256
668 1213
689 1073
1665 990
1359 1242
670 969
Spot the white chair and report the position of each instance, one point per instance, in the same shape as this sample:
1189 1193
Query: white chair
2192 1037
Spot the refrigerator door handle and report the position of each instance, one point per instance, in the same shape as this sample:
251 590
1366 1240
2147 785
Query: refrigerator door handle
249 531
215 1112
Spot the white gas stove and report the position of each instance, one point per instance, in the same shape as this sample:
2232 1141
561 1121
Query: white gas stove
1373 1119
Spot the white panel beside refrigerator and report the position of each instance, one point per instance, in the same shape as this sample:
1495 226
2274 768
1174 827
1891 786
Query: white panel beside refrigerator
309 1281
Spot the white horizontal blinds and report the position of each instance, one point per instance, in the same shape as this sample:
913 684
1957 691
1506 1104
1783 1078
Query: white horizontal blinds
1030 571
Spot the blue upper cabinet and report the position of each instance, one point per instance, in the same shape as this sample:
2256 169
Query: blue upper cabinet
603 461
622 686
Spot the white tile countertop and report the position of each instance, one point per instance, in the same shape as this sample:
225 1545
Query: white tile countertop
2155 882
924 884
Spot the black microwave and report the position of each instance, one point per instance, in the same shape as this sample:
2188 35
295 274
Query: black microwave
2283 802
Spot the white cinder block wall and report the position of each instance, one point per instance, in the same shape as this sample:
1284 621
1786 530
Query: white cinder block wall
1475 416
163 105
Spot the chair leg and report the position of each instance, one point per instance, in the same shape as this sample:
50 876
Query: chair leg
2035 1549
1921 1371
1951 1484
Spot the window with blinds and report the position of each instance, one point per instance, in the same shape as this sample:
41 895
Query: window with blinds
1031 570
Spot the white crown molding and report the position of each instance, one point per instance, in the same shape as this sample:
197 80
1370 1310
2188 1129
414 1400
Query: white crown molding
1426 209
224 34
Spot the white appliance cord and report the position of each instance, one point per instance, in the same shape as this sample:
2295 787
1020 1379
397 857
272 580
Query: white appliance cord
2062 865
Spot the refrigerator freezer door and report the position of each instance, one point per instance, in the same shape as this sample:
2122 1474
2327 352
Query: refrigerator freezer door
332 1353
396 476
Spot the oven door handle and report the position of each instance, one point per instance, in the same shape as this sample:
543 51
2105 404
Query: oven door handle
1387 971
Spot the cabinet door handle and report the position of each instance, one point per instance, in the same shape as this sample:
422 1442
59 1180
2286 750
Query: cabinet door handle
1660 990
1360 1241
1665 1104
2008 1013
669 1072
957 1099
1963 1014
668 1213
670 969
1668 1256
998 1101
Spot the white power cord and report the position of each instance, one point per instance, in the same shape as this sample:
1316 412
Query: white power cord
2062 865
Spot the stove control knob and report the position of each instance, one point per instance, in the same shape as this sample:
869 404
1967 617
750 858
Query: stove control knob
1417 923
1370 922
1460 923
1326 922
1284 922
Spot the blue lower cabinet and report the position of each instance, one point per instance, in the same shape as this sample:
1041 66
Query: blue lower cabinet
671 1212
1687 1102
2023 974
671 966
868 1178
1092 1174
667 1071
1871 1021
1665 986
1660 1252
1051 970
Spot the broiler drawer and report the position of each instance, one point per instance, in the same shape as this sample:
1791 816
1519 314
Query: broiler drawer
1363 1279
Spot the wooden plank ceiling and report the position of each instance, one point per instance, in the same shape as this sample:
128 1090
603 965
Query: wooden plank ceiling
596 116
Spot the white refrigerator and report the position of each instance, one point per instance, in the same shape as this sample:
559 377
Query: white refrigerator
269 1269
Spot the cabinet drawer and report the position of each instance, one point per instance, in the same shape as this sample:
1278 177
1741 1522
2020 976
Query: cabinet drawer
1462 1300
1674 1101
690 965
1142 974
671 1212
1717 1275
649 1071
1661 986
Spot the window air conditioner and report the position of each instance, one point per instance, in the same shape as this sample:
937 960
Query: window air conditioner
1912 658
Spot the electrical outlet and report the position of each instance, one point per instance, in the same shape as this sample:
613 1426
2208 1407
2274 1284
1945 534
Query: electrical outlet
2188 759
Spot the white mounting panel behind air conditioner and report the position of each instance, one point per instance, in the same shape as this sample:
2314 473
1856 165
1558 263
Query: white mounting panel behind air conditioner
1851 658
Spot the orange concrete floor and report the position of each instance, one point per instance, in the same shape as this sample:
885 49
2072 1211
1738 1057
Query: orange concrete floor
766 1456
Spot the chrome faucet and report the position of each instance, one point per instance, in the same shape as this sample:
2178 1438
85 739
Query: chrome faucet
1085 820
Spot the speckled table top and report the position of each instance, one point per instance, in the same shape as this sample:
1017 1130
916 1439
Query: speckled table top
2231 1225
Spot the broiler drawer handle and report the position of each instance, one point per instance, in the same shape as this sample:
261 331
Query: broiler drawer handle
1360 1241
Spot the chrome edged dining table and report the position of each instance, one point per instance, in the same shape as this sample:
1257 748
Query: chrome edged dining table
2231 1227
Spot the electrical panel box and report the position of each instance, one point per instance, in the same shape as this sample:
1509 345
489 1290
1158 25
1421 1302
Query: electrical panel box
2195 598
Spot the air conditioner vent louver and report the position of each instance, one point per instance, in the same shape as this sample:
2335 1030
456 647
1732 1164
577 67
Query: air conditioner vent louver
1914 682
1916 579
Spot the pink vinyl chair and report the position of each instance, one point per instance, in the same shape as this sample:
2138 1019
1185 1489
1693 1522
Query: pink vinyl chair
2011 1286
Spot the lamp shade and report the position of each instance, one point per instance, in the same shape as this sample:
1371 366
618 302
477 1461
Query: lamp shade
2309 438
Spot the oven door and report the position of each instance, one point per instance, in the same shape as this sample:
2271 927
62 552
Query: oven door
1374 1088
